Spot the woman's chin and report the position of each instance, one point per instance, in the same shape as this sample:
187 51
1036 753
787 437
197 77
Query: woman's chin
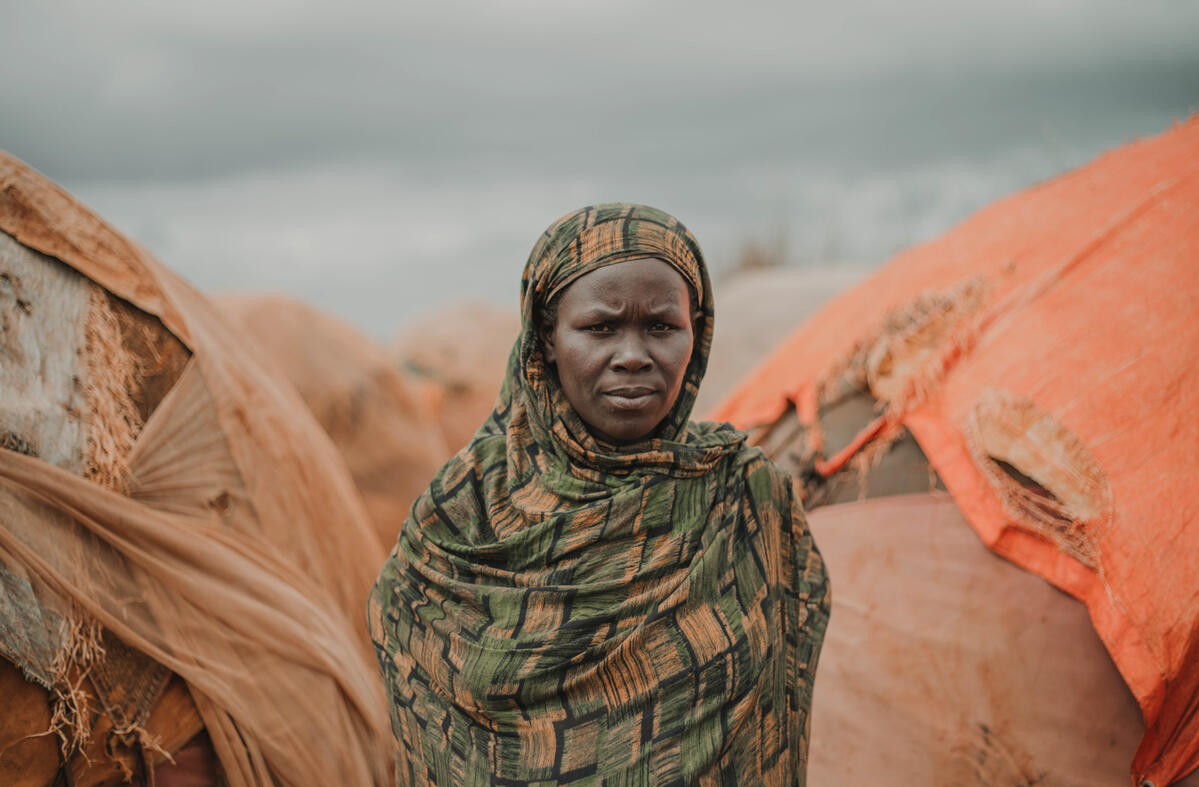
625 431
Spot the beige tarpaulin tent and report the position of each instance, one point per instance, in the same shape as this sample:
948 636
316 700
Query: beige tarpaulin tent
165 500
385 430
456 357
947 665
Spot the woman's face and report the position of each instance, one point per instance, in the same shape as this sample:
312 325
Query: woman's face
621 342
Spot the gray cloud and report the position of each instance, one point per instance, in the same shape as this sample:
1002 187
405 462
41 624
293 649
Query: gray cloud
155 91
379 158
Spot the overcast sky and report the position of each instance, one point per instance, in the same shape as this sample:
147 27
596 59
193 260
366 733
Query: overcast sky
381 159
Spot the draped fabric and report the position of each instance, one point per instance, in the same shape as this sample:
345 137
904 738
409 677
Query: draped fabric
237 552
562 610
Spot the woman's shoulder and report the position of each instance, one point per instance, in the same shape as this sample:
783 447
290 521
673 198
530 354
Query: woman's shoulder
749 460
765 479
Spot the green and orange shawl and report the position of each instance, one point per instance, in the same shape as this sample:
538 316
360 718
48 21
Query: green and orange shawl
560 610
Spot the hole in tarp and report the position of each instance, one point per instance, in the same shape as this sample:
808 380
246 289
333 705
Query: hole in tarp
902 468
221 502
1045 477
84 369
1044 501
10 441
919 341
160 357
845 441
842 417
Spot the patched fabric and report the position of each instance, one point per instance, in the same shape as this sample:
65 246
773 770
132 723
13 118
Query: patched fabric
561 610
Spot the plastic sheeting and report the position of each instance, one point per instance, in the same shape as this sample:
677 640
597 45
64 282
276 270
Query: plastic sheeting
1043 355
456 356
945 665
385 431
240 556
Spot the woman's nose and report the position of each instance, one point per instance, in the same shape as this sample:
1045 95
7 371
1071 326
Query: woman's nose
632 354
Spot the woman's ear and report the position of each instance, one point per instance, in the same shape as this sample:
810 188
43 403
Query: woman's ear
546 332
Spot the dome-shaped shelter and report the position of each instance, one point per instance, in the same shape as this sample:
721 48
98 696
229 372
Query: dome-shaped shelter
383 428
1042 356
455 356
180 543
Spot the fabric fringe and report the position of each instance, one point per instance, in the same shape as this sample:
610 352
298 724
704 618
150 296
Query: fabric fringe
900 365
71 704
1058 489
112 376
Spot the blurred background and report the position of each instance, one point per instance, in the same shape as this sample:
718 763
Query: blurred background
380 160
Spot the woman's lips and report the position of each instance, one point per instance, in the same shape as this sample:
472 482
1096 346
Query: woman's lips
630 398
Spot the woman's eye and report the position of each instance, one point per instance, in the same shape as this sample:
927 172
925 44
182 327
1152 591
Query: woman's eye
598 328
661 327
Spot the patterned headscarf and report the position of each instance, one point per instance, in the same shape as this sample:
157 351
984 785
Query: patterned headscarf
574 246
559 609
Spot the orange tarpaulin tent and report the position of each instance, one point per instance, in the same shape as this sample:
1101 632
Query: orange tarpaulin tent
1044 355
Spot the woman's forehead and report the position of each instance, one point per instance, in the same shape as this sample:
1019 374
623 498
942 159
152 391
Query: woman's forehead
646 281
611 272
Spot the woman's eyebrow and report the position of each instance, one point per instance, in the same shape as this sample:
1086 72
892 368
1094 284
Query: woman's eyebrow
598 312
601 312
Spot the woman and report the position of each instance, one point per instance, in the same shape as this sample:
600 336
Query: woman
595 589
